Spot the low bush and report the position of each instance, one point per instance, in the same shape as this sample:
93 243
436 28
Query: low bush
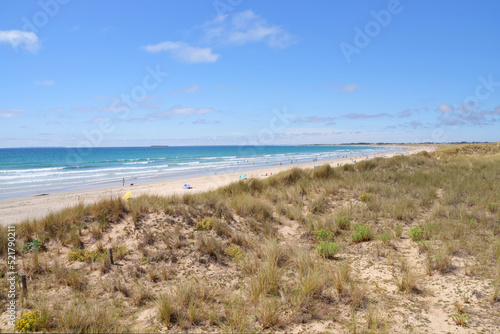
203 225
362 233
32 321
416 233
84 255
234 252
327 249
324 235
31 246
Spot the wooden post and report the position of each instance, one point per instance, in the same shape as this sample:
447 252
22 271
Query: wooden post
25 285
111 256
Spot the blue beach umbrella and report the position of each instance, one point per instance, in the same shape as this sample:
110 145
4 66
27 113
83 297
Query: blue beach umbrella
243 176
186 186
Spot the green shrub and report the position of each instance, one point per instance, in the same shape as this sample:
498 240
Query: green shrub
324 235
416 233
362 233
31 246
327 249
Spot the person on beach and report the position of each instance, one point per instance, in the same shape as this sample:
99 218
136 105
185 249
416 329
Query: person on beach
123 182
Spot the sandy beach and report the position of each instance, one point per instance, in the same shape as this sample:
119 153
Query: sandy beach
18 209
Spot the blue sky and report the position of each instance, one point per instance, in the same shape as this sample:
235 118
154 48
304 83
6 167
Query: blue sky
239 72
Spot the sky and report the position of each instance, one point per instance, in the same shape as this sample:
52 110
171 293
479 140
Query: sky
90 73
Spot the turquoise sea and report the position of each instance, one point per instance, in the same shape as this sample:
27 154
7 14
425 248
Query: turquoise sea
27 171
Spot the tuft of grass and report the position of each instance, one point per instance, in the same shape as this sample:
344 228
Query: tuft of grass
236 313
165 309
89 316
377 321
324 172
492 207
69 277
416 233
343 223
443 262
221 228
266 281
269 313
460 317
319 205
385 237
408 280
210 245
341 276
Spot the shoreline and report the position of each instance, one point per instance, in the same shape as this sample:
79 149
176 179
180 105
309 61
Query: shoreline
17 209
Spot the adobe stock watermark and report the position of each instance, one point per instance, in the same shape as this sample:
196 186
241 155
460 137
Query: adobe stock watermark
223 7
121 107
48 9
363 36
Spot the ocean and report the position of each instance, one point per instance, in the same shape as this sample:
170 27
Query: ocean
28 171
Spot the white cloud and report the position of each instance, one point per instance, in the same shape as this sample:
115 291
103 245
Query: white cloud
246 27
184 52
45 82
178 110
349 88
56 110
444 108
8 113
20 39
186 90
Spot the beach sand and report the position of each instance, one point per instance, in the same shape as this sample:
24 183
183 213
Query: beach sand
15 210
